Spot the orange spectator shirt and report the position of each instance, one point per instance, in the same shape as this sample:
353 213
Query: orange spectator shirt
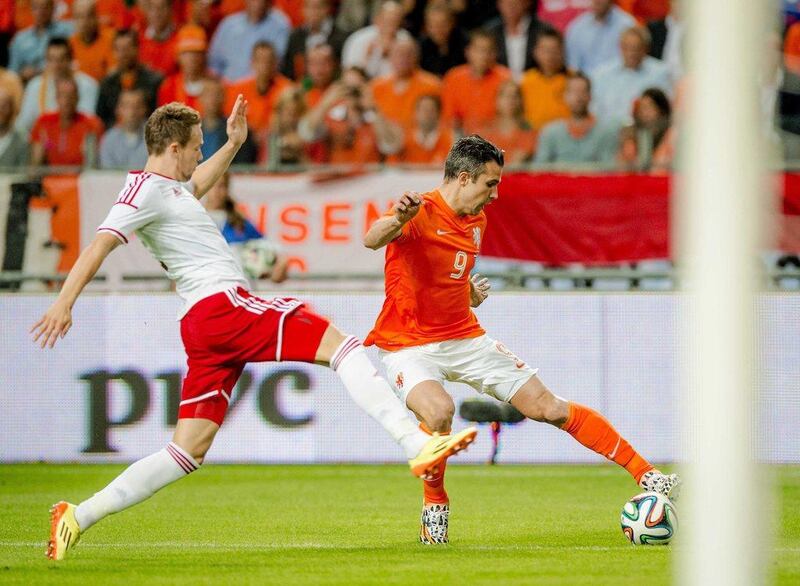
427 279
173 89
543 97
348 145
415 152
65 146
396 100
158 55
519 144
791 48
469 101
96 59
313 96
259 106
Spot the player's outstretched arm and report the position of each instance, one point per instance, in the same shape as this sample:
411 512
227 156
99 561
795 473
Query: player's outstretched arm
57 320
386 229
209 172
478 290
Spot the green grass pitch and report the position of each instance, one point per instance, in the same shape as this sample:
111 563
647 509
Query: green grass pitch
352 525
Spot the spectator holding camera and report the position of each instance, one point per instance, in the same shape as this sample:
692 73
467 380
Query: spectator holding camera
346 122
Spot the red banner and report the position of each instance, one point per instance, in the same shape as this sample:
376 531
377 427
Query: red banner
596 220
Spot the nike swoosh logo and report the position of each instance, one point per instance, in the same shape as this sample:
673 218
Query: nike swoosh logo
614 453
442 232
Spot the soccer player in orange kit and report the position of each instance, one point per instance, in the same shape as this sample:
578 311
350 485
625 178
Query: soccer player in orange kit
427 332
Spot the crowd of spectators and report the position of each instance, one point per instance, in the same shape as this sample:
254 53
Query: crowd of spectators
360 81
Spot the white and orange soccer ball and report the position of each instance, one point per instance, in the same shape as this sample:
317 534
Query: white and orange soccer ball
649 518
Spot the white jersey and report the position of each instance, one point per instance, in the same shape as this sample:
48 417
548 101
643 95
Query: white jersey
175 227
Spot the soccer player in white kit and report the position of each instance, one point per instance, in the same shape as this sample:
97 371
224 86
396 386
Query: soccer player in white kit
223 326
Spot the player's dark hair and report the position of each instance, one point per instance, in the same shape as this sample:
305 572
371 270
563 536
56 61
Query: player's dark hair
170 123
470 154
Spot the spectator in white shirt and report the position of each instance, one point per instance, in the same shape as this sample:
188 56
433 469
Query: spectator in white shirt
123 146
515 33
593 37
618 84
40 93
368 48
668 42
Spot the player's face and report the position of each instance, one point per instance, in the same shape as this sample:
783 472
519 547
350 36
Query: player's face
482 191
190 156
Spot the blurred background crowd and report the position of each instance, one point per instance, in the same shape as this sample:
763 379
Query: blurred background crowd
553 82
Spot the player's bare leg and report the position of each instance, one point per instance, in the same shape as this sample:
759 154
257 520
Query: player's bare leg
434 407
587 426
140 481
346 355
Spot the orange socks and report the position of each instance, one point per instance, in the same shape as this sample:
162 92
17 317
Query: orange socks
433 491
595 432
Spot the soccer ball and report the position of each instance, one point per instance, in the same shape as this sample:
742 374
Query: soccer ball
258 257
649 518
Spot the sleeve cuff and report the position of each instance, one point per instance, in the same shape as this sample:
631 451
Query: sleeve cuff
120 236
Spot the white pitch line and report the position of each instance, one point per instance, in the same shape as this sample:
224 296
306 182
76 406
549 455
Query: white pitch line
324 546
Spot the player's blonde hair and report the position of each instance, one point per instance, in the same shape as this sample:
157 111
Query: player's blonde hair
170 123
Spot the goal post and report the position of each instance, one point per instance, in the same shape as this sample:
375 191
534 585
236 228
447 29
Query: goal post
720 197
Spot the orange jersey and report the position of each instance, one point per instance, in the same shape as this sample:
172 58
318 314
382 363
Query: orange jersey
259 106
427 279
396 100
96 59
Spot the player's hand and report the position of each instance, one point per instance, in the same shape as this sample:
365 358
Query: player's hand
55 323
408 206
237 122
478 290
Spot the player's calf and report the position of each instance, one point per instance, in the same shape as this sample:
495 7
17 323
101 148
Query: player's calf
537 402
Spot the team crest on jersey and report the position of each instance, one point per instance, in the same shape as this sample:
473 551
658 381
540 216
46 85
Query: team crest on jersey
399 380
476 236
505 351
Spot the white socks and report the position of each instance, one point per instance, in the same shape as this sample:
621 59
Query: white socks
374 395
138 482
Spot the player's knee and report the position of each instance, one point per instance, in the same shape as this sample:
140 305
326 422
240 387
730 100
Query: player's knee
440 417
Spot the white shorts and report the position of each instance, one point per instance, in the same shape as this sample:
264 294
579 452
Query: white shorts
482 363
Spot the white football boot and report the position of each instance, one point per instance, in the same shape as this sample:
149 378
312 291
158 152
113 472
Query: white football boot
667 484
